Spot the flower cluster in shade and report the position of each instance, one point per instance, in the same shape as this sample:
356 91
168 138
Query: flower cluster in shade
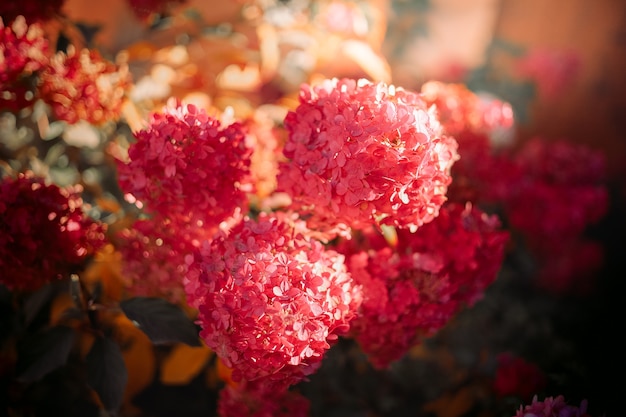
413 287
23 52
515 376
44 233
153 256
560 193
271 300
32 10
552 407
82 85
549 192
255 400
187 167
360 153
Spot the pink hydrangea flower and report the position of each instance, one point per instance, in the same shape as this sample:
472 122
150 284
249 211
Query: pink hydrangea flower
271 300
81 85
461 110
413 289
44 234
483 128
560 193
552 407
254 400
361 153
186 164
23 51
153 256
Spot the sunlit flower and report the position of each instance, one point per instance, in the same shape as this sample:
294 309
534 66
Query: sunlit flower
186 164
81 85
361 153
413 289
271 300
461 110
44 234
23 51
483 129
552 407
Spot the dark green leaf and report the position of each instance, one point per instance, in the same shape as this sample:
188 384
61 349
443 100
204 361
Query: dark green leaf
106 372
43 352
35 302
162 321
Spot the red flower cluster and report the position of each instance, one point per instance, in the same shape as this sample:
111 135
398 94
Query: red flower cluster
411 291
23 51
44 235
153 257
552 407
560 193
461 110
257 401
517 377
185 165
362 153
480 127
84 86
271 300
32 10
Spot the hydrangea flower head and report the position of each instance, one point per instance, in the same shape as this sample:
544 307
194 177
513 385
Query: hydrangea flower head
413 289
271 300
361 153
560 193
461 110
23 51
254 400
44 235
186 164
81 85
153 256
552 407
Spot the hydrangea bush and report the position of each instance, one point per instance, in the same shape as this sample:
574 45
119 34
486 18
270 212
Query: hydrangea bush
359 210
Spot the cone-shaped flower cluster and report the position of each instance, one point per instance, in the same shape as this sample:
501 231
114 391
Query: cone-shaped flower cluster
271 299
413 289
23 51
361 153
44 234
81 85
